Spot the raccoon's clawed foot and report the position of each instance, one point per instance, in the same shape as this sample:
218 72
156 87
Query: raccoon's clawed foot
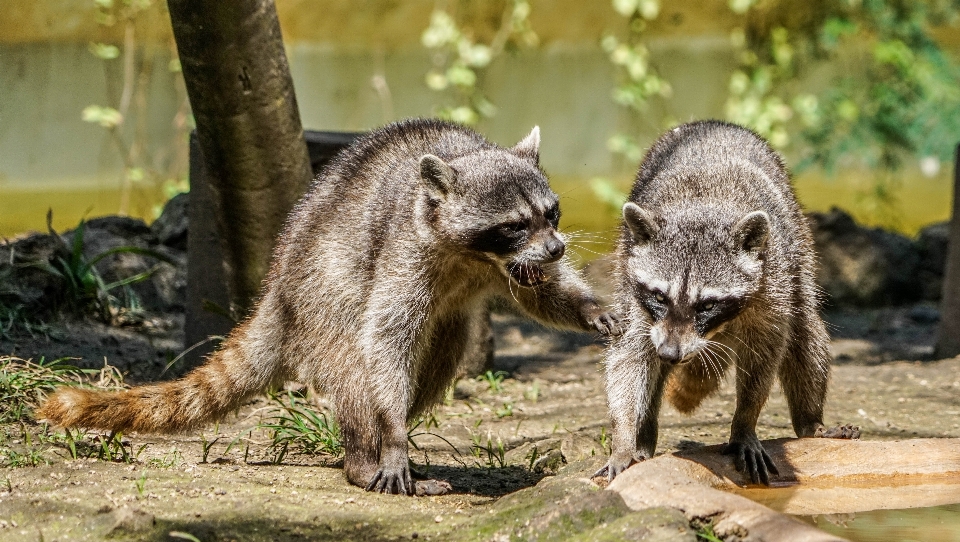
615 465
851 432
608 323
392 480
751 459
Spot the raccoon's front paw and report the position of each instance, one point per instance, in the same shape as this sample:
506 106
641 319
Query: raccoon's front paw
607 323
851 432
751 459
615 465
394 480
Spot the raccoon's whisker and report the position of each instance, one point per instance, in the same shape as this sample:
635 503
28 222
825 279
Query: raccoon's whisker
591 251
710 361
748 346
510 282
729 351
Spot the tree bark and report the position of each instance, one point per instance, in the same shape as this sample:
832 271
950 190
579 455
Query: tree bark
248 127
948 335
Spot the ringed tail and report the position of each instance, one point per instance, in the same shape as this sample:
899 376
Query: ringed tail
207 393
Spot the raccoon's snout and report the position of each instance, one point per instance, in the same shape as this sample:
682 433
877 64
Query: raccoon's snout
674 353
669 353
554 248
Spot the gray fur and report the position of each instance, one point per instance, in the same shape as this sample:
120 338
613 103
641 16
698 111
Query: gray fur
382 274
716 267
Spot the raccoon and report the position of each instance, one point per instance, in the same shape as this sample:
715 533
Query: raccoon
381 272
715 267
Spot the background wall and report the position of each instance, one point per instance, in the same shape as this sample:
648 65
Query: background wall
50 157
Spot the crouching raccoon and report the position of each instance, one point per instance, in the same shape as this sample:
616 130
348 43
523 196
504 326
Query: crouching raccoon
715 268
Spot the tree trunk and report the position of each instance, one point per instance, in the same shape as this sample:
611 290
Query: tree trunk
948 336
248 127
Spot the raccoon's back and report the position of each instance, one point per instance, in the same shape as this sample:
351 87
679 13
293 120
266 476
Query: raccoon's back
705 157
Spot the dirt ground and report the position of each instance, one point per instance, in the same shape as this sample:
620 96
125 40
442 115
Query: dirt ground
499 448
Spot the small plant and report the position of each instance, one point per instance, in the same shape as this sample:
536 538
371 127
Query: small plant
422 427
297 425
604 439
505 410
86 289
170 460
494 380
492 455
141 483
533 392
205 446
704 530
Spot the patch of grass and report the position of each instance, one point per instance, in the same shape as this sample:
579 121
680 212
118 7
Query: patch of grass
297 426
704 530
494 380
24 384
491 455
169 460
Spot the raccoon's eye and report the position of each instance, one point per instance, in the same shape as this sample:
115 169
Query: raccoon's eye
514 227
660 298
553 215
708 306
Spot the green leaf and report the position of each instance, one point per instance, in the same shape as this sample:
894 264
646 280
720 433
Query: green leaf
105 51
625 7
107 117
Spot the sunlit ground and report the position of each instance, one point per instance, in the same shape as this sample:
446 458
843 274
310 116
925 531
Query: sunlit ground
909 206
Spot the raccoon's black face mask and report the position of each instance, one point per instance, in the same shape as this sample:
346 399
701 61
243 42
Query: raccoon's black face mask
692 274
497 206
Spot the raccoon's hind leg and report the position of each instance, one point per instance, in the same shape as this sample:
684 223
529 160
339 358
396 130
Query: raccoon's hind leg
691 383
804 374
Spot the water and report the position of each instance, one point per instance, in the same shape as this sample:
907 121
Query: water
933 524
591 223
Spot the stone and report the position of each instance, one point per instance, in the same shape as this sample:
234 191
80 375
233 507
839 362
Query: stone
130 520
864 266
172 225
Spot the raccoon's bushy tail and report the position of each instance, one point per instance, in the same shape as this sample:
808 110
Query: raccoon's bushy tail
206 393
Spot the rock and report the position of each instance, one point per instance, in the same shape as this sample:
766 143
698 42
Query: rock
924 314
163 290
171 227
653 524
932 243
28 279
863 266
131 520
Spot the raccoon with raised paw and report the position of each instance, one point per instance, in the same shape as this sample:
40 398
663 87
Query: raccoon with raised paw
377 281
715 268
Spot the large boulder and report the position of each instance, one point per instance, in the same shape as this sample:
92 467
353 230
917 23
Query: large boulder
171 227
864 266
165 287
34 270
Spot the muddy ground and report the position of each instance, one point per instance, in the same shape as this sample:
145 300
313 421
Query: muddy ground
501 449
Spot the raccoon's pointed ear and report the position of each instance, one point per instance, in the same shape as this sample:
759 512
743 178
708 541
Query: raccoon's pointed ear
751 232
529 147
642 223
437 175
